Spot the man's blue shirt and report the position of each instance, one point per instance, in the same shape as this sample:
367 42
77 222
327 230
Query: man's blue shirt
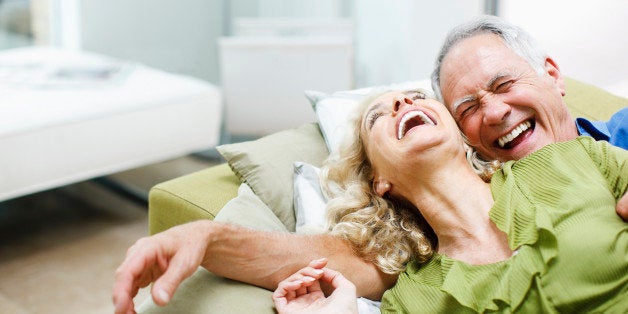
614 131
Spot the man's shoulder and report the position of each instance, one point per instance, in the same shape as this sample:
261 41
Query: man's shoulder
614 131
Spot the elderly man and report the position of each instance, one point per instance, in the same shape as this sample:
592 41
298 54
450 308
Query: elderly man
506 94
506 97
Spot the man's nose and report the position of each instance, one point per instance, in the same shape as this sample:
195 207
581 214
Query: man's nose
495 111
400 102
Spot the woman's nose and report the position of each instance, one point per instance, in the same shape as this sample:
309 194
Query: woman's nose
400 102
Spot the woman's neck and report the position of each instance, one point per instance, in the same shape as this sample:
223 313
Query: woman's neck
456 204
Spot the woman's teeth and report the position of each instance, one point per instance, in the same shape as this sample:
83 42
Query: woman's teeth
410 120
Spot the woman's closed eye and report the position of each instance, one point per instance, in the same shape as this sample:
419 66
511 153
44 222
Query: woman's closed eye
415 95
372 118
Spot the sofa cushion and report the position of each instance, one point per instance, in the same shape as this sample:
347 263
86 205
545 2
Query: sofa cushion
591 102
266 165
204 292
248 210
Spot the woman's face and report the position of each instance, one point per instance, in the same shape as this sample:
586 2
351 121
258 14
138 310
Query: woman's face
402 133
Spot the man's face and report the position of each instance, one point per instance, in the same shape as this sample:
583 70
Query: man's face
502 105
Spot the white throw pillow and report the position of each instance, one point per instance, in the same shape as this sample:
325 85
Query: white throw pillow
309 200
309 205
334 110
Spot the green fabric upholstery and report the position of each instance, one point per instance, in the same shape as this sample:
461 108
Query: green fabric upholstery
195 196
205 292
587 101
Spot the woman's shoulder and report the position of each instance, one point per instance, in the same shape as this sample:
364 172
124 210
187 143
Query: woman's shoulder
418 289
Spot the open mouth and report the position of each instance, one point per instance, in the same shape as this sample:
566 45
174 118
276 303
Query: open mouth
515 136
412 119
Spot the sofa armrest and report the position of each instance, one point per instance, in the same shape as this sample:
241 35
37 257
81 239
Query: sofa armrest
202 195
199 195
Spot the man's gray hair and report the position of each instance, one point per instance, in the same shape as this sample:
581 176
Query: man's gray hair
513 36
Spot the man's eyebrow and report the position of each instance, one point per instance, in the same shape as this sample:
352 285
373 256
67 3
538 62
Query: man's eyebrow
491 82
461 101
488 86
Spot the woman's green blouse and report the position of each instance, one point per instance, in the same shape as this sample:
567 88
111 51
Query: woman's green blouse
557 207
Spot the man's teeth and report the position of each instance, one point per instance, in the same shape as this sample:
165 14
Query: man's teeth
502 141
403 125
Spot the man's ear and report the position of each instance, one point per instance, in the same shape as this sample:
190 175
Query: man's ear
551 68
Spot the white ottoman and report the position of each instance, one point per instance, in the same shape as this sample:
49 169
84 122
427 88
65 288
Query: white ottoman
63 119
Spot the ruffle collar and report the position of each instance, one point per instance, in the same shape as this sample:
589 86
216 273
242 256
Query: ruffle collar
504 284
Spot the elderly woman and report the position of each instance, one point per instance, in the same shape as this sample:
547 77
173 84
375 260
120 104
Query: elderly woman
542 236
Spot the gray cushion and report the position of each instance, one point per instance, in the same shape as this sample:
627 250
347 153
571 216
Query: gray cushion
266 165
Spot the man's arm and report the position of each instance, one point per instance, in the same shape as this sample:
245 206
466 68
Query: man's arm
266 258
256 257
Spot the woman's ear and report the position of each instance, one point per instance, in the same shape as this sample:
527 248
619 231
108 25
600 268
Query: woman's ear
381 187
551 68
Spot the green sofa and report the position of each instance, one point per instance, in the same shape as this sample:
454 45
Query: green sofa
203 194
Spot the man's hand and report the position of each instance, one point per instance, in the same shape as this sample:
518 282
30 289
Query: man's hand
301 292
261 258
622 207
166 259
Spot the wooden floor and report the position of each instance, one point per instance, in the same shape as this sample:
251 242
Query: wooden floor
59 249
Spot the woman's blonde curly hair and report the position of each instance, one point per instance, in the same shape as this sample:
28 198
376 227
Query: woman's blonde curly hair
385 231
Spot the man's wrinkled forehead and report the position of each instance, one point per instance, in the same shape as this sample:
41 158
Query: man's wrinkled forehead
471 64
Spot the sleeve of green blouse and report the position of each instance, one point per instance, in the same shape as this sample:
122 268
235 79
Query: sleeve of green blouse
413 297
613 162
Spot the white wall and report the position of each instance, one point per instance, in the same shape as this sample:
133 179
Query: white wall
395 40
588 39
316 9
398 40
177 36
303 8
60 19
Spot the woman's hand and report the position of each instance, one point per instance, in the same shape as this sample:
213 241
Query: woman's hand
166 259
301 292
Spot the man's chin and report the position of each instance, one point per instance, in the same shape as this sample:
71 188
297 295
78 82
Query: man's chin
515 153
